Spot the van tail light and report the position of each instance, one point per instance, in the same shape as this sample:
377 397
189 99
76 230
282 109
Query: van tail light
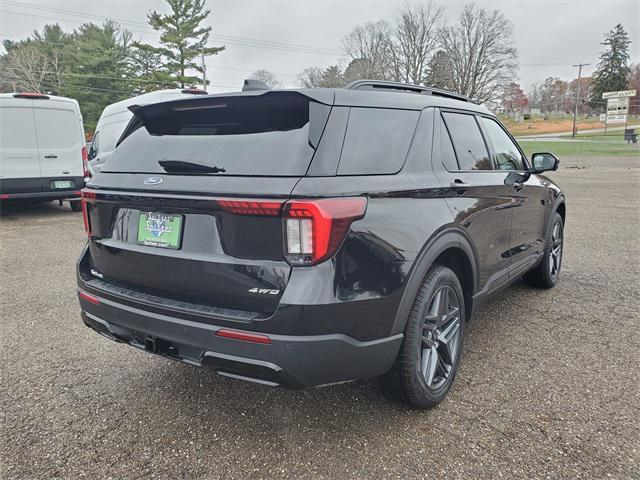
86 197
85 164
315 229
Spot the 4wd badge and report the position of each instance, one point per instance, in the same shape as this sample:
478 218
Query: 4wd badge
264 291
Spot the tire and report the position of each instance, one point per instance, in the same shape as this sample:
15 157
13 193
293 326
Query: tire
547 272
430 353
76 205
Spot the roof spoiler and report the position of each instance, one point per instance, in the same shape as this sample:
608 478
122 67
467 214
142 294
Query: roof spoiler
252 85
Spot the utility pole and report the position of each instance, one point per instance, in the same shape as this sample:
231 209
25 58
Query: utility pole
204 72
575 113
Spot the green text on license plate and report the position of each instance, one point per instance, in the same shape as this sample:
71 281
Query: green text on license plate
160 230
62 184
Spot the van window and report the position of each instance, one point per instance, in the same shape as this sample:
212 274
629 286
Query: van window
95 146
18 130
507 154
110 134
468 142
265 135
56 128
377 140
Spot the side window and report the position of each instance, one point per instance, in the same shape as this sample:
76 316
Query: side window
470 148
95 146
447 153
377 140
507 154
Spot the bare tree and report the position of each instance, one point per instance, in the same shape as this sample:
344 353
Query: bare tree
480 49
416 38
266 77
27 67
371 45
310 77
316 77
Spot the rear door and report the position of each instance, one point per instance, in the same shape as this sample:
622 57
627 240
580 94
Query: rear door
18 144
478 195
188 206
60 140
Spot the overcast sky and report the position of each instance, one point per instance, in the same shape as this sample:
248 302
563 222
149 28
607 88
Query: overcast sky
286 36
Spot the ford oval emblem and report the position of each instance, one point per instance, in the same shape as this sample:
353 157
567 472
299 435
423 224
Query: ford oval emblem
152 180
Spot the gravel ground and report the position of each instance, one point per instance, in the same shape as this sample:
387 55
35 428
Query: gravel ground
548 387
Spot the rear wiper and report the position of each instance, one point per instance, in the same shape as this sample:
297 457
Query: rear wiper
178 166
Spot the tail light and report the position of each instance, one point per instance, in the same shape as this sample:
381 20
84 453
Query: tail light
315 229
85 197
85 164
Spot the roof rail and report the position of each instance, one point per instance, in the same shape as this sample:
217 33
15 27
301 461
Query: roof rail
403 87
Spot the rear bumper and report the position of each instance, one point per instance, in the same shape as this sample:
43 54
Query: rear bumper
38 188
292 361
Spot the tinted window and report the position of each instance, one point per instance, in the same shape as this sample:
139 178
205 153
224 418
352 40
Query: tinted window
447 153
246 135
468 142
95 146
57 128
377 140
507 154
17 130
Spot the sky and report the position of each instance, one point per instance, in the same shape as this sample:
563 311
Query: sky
286 36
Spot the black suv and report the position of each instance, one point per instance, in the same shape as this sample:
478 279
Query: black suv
314 236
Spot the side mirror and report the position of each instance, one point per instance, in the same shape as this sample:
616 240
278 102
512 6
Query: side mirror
544 162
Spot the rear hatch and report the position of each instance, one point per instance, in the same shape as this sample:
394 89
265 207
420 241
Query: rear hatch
188 207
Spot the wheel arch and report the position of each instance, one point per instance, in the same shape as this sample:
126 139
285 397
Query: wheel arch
452 249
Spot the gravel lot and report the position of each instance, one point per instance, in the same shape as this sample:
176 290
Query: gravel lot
548 387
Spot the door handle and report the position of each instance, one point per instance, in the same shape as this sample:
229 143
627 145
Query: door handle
459 186
51 156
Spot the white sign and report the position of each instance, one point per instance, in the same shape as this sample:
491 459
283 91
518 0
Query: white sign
619 94
603 117
616 119
618 106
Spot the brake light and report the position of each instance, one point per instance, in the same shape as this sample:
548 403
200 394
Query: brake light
85 197
32 95
194 91
251 207
315 229
85 164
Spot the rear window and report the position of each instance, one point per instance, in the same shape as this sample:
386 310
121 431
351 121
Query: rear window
57 128
18 129
377 140
268 134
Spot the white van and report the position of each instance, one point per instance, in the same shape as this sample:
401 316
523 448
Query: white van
115 118
42 148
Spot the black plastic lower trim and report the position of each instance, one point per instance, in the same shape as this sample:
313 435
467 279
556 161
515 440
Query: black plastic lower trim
292 361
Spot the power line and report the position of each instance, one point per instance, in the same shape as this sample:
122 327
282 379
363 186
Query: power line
240 41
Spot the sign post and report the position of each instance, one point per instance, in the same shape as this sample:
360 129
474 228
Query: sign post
617 107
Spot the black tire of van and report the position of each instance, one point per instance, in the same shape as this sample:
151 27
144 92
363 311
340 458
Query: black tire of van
76 205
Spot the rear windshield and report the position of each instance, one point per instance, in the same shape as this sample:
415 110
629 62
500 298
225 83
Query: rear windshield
265 135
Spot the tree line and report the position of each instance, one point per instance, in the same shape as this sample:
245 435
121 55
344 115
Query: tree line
102 64
474 55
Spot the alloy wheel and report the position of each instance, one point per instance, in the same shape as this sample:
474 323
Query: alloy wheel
556 250
440 337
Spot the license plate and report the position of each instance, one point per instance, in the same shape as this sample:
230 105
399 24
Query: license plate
62 184
160 230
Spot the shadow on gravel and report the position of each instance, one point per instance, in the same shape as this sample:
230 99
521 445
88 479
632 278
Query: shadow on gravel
21 210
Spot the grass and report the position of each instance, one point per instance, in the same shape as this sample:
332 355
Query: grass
584 148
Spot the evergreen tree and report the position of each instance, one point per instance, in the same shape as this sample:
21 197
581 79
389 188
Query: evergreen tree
612 72
183 40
